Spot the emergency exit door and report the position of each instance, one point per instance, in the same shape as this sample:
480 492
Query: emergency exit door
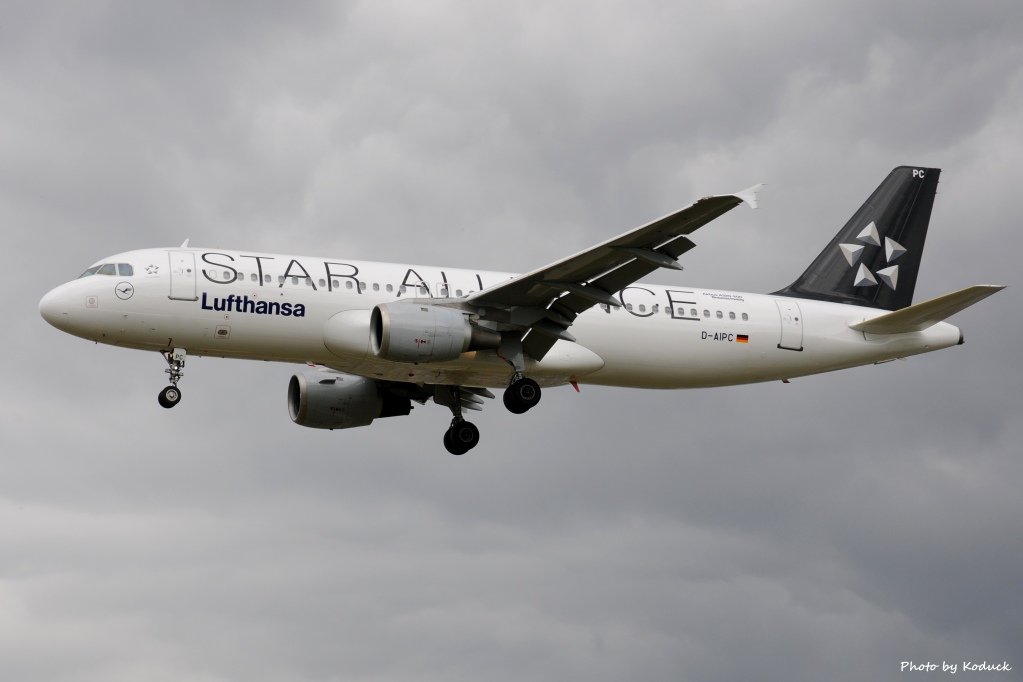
791 325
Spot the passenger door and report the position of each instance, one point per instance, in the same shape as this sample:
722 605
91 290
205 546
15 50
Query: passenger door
791 324
182 276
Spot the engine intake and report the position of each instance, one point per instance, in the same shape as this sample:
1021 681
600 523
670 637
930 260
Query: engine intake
332 400
414 332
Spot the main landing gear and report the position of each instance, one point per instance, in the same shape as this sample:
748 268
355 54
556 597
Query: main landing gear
461 436
171 395
522 395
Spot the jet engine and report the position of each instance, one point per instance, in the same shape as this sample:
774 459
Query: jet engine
414 332
324 399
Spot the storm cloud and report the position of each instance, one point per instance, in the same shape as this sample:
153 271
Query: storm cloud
830 528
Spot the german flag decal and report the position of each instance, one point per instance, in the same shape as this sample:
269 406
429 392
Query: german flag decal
742 338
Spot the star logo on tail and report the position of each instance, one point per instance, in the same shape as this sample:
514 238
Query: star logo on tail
893 250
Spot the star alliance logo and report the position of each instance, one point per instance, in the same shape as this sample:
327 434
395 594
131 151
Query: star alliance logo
152 269
892 249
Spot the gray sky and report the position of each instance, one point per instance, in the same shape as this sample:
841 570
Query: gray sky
826 529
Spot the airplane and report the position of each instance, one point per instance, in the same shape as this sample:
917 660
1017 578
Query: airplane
379 336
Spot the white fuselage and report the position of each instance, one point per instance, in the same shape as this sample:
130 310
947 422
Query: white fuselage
238 304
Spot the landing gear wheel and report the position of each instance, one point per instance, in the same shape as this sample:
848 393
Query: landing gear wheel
522 395
169 397
461 437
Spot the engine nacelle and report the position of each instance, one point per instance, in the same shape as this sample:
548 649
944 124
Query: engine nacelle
332 400
414 332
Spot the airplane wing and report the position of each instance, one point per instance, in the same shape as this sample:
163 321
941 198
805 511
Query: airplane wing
547 300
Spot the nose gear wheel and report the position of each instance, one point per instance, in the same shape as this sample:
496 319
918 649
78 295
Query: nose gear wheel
169 397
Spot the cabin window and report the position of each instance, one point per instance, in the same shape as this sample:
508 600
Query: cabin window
348 284
642 308
692 313
628 306
376 287
254 277
706 313
458 293
719 315
389 288
401 289
334 284
280 279
745 317
362 286
731 316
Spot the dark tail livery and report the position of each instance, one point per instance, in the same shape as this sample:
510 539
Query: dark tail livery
873 260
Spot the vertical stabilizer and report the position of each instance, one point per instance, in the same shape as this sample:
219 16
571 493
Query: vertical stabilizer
874 260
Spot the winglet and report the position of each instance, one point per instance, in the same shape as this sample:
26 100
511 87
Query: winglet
749 195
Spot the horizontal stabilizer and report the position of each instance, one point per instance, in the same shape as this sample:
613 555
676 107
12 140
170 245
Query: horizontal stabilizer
923 315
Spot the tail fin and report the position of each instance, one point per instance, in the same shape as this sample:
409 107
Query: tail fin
873 261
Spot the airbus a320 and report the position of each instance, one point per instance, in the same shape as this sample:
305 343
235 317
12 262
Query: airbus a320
380 336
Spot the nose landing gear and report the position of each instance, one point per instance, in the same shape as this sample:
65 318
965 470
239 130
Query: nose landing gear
171 395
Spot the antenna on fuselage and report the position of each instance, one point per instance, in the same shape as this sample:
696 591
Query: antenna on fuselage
184 244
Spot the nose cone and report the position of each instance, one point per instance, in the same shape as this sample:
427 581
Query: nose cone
55 308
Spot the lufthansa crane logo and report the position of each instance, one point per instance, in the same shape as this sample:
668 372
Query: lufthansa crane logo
124 291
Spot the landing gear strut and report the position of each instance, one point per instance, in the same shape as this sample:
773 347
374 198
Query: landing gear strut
522 395
171 395
461 436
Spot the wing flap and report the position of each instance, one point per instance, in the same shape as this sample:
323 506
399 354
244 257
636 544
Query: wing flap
928 313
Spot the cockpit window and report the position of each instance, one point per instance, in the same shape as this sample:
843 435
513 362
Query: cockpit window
122 269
